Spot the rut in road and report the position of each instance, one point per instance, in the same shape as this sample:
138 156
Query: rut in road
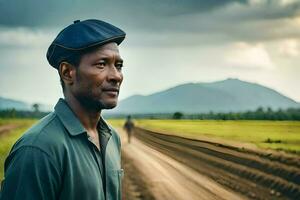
254 174
167 178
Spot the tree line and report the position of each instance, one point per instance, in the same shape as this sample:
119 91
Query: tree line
258 114
13 113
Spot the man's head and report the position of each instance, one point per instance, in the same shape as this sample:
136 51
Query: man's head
87 58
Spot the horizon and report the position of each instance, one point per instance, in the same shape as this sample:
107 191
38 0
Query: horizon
162 90
167 44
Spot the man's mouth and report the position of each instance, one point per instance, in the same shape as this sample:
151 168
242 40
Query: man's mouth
111 91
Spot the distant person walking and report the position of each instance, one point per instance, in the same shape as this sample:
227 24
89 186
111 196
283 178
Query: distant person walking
128 126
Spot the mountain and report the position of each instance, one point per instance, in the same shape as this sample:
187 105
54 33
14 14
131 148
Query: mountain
10 103
231 95
6 103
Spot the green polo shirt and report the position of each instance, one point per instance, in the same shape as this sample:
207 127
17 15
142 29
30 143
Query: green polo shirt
55 159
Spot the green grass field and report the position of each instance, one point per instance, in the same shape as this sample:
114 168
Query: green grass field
9 138
279 135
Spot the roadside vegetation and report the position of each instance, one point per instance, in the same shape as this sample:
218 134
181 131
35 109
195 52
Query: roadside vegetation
9 137
278 135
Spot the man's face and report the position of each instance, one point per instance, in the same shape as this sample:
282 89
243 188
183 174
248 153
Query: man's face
98 78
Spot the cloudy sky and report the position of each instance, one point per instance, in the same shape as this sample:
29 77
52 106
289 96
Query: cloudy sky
168 43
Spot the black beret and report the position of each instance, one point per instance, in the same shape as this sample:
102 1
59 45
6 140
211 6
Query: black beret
79 36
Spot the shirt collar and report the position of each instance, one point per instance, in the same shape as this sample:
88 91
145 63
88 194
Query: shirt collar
72 123
68 118
102 125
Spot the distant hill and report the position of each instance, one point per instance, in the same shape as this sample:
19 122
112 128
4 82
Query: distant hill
6 103
231 95
10 103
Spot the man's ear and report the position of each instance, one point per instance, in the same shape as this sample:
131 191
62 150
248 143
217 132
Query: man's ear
67 72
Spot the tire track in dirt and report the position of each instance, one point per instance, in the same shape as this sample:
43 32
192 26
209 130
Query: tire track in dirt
134 187
255 174
167 178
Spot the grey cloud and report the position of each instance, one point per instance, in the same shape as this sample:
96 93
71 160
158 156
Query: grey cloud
35 13
164 23
270 10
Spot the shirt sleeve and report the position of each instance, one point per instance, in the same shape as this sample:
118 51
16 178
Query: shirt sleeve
30 174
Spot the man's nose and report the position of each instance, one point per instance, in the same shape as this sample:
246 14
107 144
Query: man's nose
115 74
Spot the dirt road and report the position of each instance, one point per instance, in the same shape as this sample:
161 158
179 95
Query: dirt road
166 178
6 128
256 174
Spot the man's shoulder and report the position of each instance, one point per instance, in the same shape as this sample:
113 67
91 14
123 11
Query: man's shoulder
45 133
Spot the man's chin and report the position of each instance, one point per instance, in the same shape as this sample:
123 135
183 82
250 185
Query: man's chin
109 105
98 105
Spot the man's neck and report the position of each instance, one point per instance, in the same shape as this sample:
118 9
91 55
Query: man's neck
89 119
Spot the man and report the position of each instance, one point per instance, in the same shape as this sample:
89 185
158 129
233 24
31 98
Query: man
128 126
72 153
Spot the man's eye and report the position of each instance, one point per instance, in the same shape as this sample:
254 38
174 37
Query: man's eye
119 66
100 64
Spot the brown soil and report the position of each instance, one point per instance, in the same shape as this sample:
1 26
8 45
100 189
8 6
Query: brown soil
163 177
6 128
255 174
133 187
